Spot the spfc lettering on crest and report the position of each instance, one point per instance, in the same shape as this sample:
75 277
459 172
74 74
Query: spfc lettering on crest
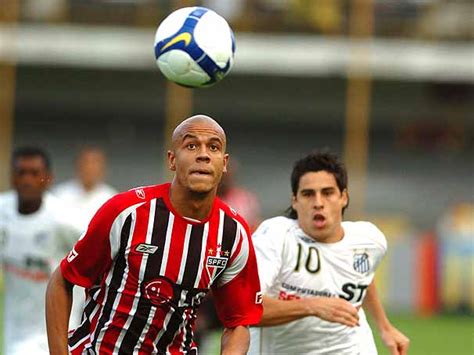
361 263
214 266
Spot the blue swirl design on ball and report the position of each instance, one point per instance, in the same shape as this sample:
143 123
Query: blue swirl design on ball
181 41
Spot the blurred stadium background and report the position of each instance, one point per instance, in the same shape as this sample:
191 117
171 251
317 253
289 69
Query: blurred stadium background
387 84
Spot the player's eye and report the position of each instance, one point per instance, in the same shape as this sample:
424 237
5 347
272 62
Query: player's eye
191 146
214 147
328 192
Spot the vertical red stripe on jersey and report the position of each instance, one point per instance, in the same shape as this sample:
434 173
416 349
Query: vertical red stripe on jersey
173 263
128 295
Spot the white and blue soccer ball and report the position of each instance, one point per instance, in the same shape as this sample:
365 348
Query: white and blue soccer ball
194 47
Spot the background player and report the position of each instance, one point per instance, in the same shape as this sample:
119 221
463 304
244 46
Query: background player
87 191
36 232
150 255
85 194
317 270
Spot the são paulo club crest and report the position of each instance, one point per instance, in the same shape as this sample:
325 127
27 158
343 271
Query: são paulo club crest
216 262
361 262
159 291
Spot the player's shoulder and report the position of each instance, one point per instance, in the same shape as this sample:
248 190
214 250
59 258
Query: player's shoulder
7 198
54 205
52 201
139 194
8 203
276 227
60 212
127 201
66 187
279 222
108 190
364 232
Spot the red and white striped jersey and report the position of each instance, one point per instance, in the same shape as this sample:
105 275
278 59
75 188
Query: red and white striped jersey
147 269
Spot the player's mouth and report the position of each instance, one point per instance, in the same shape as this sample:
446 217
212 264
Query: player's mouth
319 220
201 172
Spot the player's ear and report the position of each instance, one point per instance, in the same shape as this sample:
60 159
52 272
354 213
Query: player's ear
49 178
293 202
226 161
171 161
345 198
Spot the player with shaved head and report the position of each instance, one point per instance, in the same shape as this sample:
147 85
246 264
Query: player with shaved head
151 254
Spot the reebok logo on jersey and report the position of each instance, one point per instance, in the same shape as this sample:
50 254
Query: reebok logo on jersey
72 255
140 193
146 248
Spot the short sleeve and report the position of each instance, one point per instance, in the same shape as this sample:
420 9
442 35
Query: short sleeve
237 294
268 248
378 240
95 250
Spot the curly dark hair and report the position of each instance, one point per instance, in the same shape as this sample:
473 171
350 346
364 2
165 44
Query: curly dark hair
316 161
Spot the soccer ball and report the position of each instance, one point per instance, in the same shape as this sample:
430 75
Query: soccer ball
194 47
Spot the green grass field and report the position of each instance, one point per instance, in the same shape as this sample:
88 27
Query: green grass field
439 335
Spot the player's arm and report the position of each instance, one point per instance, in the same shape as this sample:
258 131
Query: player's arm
237 296
58 309
235 340
83 266
332 309
394 340
269 240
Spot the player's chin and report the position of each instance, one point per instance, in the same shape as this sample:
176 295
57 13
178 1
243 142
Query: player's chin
29 195
202 187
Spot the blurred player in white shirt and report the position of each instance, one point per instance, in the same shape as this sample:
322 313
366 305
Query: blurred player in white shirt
317 271
35 231
85 194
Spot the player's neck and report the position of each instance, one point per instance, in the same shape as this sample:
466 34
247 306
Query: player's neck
191 205
29 207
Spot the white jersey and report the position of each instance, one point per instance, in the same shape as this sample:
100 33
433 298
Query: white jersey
293 265
31 247
85 203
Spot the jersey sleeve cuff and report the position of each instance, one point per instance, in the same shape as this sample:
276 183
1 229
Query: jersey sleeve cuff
250 320
73 277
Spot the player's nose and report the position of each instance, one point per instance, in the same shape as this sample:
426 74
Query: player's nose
203 155
318 201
